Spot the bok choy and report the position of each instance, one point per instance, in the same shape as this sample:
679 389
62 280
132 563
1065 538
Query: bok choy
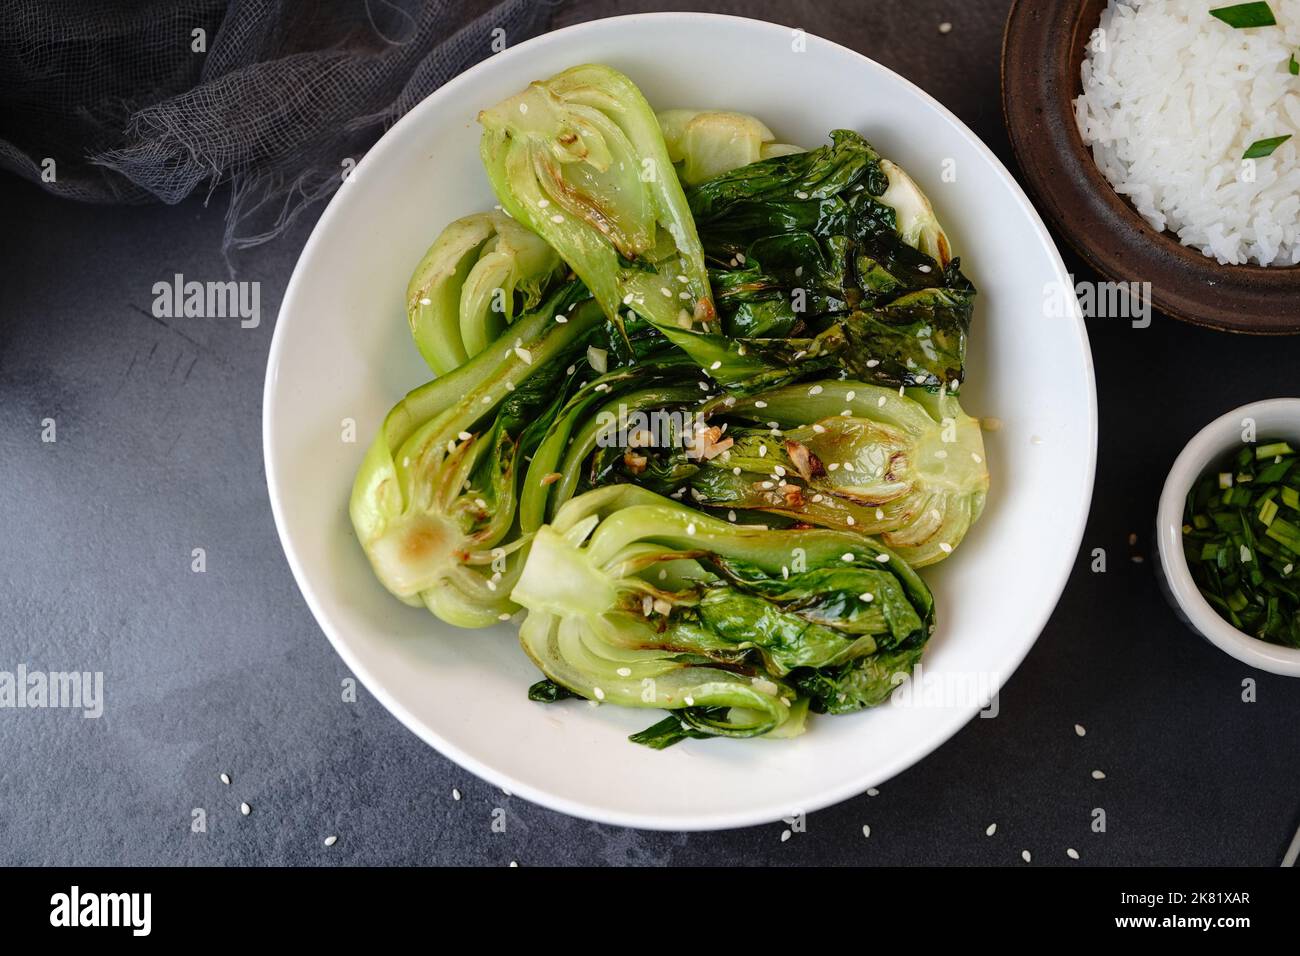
481 273
637 600
695 422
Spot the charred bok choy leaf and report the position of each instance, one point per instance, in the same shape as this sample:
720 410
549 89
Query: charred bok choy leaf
580 159
638 600
849 455
433 503
479 274
835 257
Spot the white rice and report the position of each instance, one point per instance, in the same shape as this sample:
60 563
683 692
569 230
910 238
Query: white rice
1172 98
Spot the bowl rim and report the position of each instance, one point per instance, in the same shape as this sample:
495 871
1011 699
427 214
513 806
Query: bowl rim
1039 85
1212 441
756 815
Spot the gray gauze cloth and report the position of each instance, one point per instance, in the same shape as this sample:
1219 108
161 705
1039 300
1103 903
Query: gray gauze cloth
121 101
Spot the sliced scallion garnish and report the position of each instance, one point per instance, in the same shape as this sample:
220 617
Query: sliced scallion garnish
1241 536
1294 66
1242 16
1264 147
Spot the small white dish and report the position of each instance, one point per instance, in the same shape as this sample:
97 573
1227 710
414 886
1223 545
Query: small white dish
342 356
1277 418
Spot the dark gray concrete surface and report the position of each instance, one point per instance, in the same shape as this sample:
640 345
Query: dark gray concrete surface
158 452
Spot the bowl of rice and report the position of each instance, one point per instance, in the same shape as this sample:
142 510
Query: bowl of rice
1162 138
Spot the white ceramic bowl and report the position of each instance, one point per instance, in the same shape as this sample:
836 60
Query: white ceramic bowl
342 352
1277 418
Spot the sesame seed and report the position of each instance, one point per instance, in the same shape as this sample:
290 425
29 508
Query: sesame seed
880 402
600 694
624 672
1098 775
225 778
715 366
543 203
690 701
785 835
945 27
331 840
1072 853
1078 729
426 302
850 395
561 319
682 279
945 547
872 792
882 558
690 528
866 830
731 516
940 454
557 218
880 514
815 390
523 107
668 293
992 829
455 794
245 809
760 404
1024 855
762 451
464 436
740 257
503 616
976 458
736 470
867 596
851 520
846 556
872 363
923 268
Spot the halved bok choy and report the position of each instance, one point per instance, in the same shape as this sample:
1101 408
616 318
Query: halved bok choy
638 600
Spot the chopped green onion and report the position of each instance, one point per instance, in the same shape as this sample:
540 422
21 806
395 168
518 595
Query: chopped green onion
1294 66
1240 549
1272 450
1242 16
1264 147
1267 512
